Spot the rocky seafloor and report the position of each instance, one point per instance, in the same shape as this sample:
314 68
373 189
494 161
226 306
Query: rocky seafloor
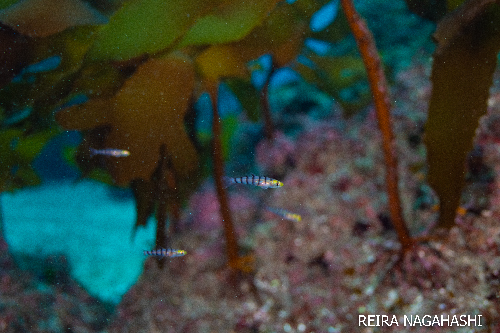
316 275
47 299
319 274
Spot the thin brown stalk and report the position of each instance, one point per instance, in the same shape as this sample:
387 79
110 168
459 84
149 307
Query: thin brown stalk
162 208
173 198
218 165
266 109
380 91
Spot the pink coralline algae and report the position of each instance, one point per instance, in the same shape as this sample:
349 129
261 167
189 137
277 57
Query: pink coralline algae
203 213
51 303
276 155
321 273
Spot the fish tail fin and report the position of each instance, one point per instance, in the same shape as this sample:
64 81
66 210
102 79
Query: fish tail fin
227 181
92 152
270 209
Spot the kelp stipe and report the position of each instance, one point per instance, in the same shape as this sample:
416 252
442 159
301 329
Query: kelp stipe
380 90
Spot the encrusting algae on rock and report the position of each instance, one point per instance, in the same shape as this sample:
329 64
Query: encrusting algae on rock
320 275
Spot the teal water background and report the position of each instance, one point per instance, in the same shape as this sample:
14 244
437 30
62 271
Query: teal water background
86 223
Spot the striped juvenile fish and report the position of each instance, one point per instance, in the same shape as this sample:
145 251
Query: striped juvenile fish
109 152
166 253
261 181
285 214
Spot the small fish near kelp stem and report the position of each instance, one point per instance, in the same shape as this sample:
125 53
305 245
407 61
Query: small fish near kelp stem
165 253
261 181
285 214
109 152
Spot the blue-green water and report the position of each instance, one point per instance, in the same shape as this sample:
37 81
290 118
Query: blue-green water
86 223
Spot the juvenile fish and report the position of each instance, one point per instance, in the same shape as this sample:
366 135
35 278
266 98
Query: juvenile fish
109 152
285 214
170 253
261 181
